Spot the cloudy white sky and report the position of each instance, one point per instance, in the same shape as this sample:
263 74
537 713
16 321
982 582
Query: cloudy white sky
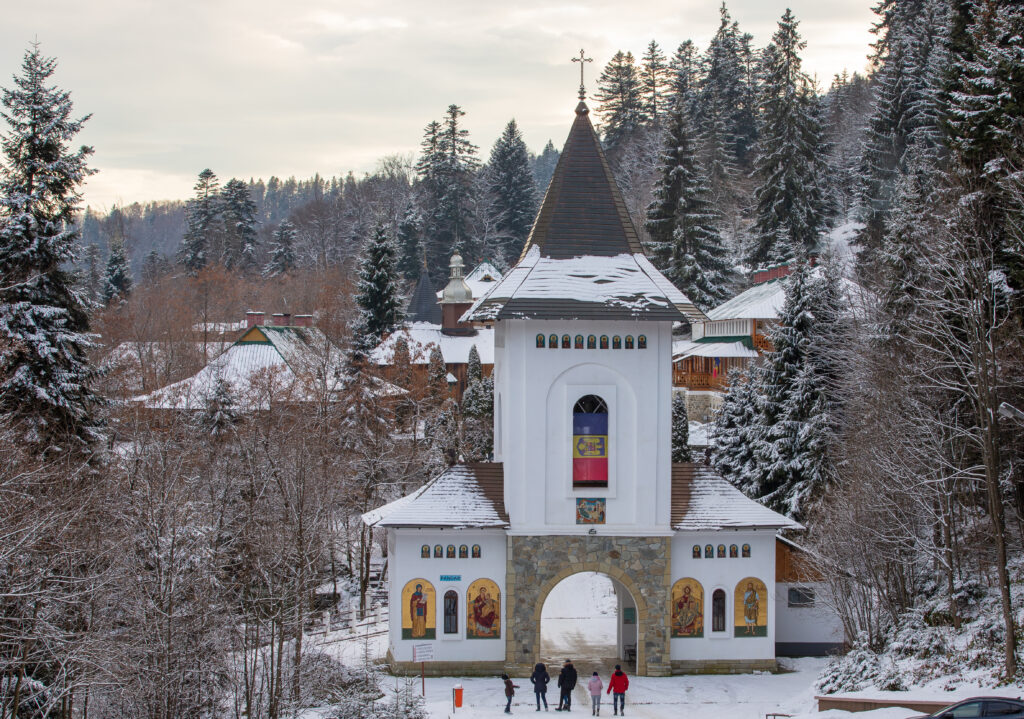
259 87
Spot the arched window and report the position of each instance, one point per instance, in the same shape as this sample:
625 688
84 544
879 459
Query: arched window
579 342
696 551
553 342
721 551
451 551
746 550
590 442
540 342
733 551
718 611
604 342
616 342
438 551
566 342
463 552
425 551
591 342
641 342
709 552
629 342
451 612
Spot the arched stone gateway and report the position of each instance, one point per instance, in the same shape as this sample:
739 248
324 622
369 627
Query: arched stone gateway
640 564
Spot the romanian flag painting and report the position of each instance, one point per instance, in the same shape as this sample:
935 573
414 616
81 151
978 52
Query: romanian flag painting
589 449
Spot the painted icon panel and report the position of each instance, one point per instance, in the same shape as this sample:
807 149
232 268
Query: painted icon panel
425 551
463 552
483 601
751 618
418 610
590 511
687 609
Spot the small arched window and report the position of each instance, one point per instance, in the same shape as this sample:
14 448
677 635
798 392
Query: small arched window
709 552
733 551
718 611
463 552
629 342
566 342
746 550
590 442
616 342
438 551
641 342
451 612
591 342
604 342
553 342
696 551
425 551
540 342
451 551
721 551
579 342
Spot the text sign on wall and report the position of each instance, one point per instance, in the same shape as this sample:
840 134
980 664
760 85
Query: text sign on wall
423 652
451 577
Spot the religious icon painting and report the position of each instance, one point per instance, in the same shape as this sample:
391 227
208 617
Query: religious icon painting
721 551
463 551
578 342
425 551
604 342
540 342
566 342
438 551
450 554
483 604
687 609
616 342
629 342
641 342
553 342
590 511
746 551
696 551
751 618
476 551
591 342
709 552
734 552
418 609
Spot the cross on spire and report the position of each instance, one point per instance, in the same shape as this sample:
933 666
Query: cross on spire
582 59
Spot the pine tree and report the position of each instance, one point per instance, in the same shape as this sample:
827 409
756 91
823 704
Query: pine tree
683 223
282 251
620 102
725 99
512 186
683 72
732 452
654 78
410 247
44 323
240 236
220 412
791 204
544 166
680 429
154 266
477 410
437 376
117 282
202 223
377 294
92 279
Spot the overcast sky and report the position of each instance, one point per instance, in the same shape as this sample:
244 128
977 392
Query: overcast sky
260 87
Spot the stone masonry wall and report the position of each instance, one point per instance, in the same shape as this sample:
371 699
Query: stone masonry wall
537 563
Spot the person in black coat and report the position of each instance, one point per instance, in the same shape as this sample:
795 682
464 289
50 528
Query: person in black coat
540 679
566 683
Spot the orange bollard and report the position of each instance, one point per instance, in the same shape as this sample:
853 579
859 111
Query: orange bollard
457 695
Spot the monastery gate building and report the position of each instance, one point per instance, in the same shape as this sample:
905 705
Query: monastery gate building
582 478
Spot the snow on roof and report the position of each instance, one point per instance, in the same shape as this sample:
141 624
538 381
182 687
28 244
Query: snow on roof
219 326
625 286
422 336
765 301
681 349
268 362
483 277
457 498
702 499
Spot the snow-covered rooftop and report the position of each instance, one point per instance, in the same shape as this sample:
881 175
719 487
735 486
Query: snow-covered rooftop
624 286
421 336
681 349
764 301
483 277
466 495
702 499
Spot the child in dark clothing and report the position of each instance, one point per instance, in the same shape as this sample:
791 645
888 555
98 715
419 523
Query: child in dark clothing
510 691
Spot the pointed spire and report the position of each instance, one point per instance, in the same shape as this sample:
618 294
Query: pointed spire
583 212
423 306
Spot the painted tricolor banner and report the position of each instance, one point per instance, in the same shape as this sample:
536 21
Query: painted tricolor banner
589 449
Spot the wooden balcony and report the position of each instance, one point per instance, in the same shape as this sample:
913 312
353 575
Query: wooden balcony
700 381
762 344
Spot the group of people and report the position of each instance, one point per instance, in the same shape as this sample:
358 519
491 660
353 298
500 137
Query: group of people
618 683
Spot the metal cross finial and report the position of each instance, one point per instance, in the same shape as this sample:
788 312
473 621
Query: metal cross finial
582 59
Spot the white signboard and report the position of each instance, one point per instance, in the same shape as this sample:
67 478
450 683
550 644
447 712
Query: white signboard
423 652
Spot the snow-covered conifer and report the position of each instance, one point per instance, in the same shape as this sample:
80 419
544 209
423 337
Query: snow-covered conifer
410 247
220 412
544 166
44 324
377 293
202 223
282 251
117 282
513 189
91 279
620 102
680 429
477 410
240 236
654 80
731 452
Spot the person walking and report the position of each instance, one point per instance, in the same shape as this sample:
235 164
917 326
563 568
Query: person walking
595 685
510 691
566 683
540 679
617 686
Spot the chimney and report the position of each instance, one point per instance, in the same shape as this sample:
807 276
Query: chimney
253 318
286 319
303 320
277 319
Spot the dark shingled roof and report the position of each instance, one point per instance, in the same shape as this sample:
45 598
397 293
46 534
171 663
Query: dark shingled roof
423 305
583 212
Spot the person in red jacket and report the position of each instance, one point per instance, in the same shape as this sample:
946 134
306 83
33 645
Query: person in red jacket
617 686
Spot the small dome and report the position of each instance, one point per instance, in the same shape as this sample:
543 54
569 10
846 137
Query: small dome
456 291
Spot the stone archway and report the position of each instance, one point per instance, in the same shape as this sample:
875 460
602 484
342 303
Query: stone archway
537 563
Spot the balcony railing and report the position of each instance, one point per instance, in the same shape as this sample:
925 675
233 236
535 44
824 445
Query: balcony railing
700 380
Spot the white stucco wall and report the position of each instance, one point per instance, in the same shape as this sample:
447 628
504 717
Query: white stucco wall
725 574
818 624
405 564
535 390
